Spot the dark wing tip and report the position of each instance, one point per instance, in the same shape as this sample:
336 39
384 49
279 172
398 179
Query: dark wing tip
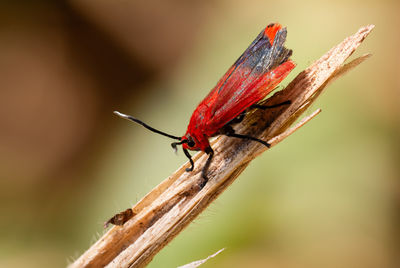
279 52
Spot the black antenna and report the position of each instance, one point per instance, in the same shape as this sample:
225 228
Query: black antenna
128 117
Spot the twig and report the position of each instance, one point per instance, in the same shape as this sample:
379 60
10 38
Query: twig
200 262
175 202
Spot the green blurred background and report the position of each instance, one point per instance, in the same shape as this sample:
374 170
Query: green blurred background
328 196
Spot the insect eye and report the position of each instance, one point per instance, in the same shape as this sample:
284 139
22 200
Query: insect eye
191 143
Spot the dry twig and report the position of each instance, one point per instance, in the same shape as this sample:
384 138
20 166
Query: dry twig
175 202
200 262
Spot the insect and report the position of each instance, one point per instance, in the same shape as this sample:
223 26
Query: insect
262 66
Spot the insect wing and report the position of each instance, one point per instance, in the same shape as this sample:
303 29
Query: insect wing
231 74
263 65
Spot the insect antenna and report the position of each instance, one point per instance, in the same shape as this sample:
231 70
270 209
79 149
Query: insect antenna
131 118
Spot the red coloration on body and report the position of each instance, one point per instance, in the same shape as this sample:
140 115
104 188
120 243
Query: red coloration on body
261 67
242 86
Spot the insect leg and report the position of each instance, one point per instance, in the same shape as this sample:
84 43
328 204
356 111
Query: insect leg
190 159
263 107
230 132
210 153
241 116
174 144
245 137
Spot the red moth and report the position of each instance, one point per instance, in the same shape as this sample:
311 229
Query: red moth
262 66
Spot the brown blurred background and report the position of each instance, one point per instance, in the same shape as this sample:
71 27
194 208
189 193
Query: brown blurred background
326 197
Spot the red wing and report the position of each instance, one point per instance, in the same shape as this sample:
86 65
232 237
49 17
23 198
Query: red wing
263 65
263 41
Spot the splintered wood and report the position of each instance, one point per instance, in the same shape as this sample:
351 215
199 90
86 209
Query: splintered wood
175 202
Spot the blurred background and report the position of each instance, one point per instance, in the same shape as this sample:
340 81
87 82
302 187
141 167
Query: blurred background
328 196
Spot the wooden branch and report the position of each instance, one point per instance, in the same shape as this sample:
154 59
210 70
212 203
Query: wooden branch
176 201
